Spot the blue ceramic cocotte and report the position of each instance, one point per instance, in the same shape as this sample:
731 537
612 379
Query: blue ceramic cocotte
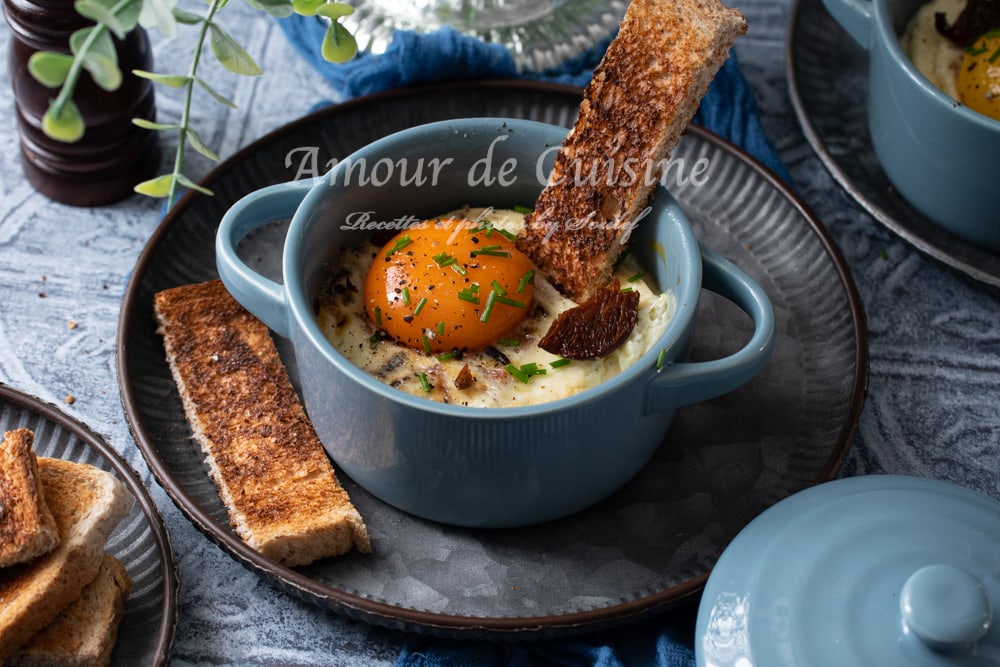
939 154
487 467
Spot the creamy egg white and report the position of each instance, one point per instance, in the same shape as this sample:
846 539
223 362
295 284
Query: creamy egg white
436 376
933 54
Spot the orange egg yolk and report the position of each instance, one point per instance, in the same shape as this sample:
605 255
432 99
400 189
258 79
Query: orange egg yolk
449 284
979 77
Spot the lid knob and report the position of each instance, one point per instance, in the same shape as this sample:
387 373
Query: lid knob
946 606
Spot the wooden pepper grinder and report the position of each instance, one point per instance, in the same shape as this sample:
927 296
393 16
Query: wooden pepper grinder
113 155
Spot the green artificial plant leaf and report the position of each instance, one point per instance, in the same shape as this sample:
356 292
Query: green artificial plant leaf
97 52
156 187
334 10
199 145
219 97
186 17
339 45
160 14
64 124
230 54
276 8
49 68
307 7
99 13
188 183
151 125
169 80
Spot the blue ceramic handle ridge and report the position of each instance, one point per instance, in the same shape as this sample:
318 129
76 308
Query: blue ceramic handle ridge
854 16
261 296
684 383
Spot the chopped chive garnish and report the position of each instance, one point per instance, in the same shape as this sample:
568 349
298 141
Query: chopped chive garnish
510 236
470 294
406 296
443 259
498 287
375 338
527 279
661 358
445 356
626 289
976 50
995 55
484 226
378 316
518 373
420 305
492 251
635 277
400 243
525 372
509 342
440 328
509 301
424 383
426 342
558 363
489 306
523 209
458 268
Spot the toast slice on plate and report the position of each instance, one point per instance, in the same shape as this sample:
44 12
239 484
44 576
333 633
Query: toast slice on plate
642 96
268 465
27 528
86 503
84 634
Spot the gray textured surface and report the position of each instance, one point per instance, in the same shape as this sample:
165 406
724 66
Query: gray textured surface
934 339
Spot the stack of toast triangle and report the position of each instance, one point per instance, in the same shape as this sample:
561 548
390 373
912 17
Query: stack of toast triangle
61 596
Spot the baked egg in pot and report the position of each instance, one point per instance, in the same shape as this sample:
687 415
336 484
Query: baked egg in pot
480 466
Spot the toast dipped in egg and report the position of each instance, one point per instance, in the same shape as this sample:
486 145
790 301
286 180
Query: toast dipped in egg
642 96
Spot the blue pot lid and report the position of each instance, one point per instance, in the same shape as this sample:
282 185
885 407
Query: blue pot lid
874 571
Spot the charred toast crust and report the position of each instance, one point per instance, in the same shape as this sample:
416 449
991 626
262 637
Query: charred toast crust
27 528
642 96
267 463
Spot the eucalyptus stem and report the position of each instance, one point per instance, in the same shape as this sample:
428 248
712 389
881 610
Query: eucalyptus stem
69 87
73 75
213 7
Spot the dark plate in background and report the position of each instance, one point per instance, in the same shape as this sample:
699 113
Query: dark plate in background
647 547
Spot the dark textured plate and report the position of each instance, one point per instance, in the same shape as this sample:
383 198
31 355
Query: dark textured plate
647 547
140 541
828 83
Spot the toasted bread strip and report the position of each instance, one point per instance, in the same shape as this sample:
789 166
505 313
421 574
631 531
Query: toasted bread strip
27 529
87 503
84 634
642 96
268 465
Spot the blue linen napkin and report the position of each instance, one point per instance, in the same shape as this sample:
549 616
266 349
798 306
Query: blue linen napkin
728 109
664 640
